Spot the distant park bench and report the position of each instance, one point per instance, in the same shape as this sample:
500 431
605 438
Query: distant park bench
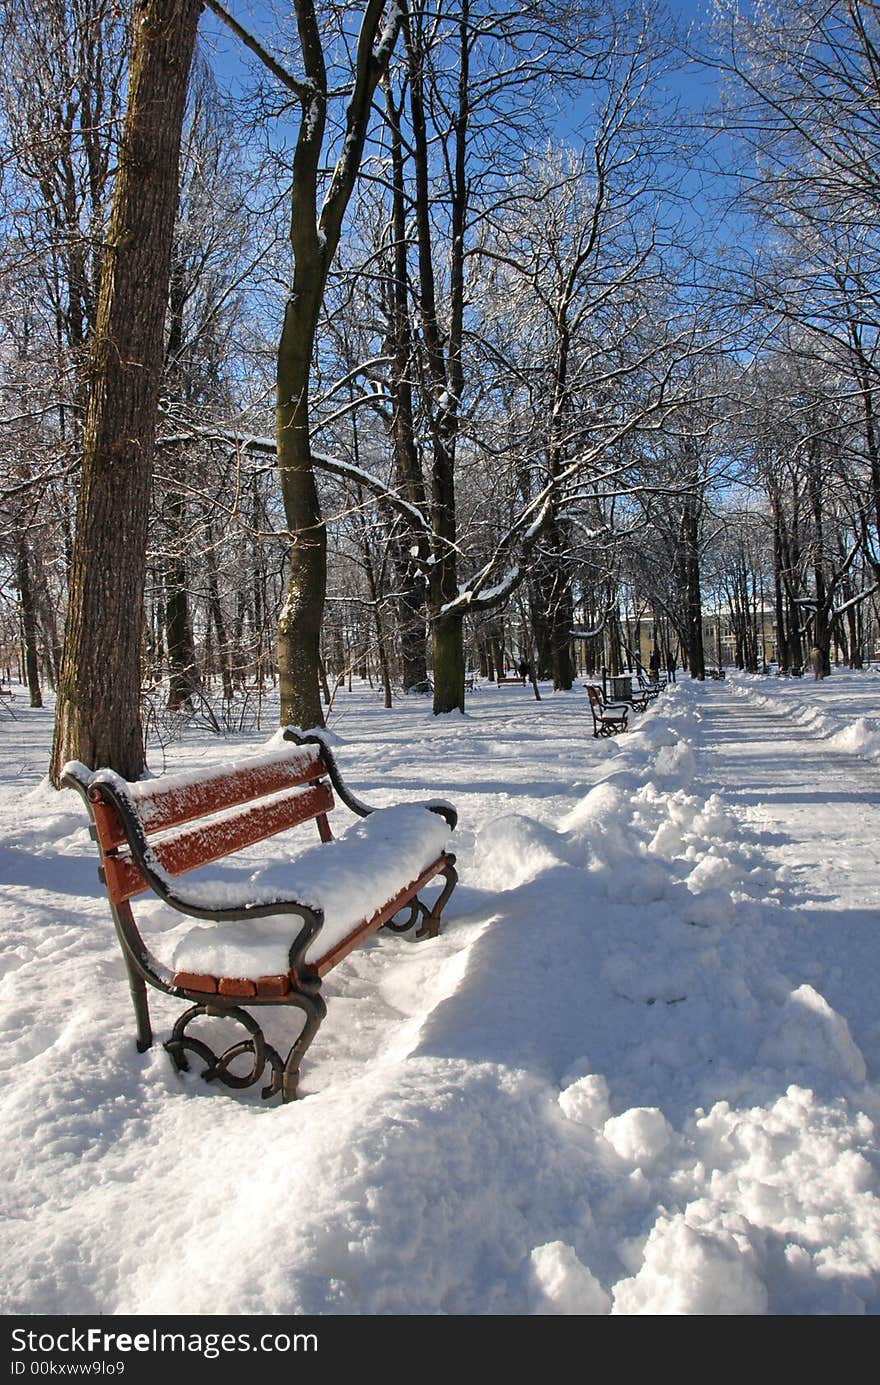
609 718
264 937
653 687
7 697
636 702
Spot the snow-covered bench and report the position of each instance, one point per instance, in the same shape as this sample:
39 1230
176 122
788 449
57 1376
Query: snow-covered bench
609 718
266 934
651 688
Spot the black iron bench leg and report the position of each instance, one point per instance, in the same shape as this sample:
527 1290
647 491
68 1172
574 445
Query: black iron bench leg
315 1009
217 1065
431 926
138 988
284 1075
126 932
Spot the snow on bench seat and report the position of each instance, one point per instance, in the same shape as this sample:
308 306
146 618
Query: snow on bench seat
350 879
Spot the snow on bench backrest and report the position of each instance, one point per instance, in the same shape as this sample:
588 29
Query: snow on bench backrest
178 798
267 790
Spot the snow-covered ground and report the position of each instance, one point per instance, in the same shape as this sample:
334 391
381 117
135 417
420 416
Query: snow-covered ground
637 1072
844 708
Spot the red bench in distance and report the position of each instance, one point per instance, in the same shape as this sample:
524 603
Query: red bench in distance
609 718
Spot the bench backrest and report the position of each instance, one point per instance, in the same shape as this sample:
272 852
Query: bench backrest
599 708
218 813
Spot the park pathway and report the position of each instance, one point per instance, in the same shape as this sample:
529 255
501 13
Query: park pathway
815 813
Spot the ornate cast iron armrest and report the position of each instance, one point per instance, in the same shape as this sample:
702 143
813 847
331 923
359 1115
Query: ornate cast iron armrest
351 801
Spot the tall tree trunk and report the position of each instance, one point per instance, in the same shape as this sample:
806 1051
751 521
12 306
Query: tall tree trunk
855 645
314 240
258 585
409 549
216 611
552 611
46 607
381 643
872 447
560 619
690 558
28 623
444 366
98 714
184 680
299 625
822 618
543 635
782 651
448 646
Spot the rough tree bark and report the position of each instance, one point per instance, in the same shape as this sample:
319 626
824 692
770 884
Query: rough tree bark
689 559
98 713
444 365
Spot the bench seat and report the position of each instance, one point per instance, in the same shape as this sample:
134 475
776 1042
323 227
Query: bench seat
350 879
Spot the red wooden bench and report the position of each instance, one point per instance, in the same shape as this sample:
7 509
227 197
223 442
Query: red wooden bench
609 718
267 935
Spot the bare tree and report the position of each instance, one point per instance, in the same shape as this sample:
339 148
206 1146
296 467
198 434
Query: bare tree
315 227
98 709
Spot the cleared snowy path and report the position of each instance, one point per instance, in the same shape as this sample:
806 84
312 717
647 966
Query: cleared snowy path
816 812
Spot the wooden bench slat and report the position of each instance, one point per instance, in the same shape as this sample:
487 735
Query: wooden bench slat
213 841
163 807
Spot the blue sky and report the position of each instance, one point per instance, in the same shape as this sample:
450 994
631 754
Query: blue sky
692 85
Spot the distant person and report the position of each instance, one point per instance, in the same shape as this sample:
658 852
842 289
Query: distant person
654 665
524 670
817 662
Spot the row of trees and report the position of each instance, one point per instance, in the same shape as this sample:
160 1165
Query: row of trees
511 391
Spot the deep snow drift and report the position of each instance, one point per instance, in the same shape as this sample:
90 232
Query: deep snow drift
636 1073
